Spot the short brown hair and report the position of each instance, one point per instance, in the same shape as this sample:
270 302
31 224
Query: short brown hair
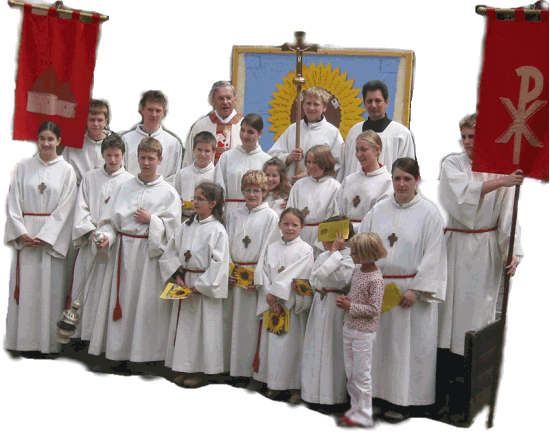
154 96
99 106
368 247
254 177
150 144
319 92
408 165
324 158
113 141
294 211
205 137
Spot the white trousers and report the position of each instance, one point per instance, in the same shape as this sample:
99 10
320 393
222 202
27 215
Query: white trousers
358 362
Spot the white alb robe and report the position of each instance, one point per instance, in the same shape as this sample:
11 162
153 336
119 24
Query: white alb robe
231 137
141 334
319 197
275 204
281 355
172 151
230 170
404 354
323 371
94 193
257 227
475 260
31 324
195 337
311 134
85 159
397 142
187 179
370 188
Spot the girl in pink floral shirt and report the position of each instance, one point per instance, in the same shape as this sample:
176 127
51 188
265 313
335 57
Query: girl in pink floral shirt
363 305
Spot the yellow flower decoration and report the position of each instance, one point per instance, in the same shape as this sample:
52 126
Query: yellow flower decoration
346 102
277 323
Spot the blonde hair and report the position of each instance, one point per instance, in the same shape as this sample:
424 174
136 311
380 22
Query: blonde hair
468 122
150 144
368 247
372 138
319 92
254 177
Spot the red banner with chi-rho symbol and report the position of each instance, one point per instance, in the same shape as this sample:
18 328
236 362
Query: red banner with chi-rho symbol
512 123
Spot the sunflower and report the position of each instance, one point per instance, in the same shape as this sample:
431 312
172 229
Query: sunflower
344 109
174 291
303 287
277 323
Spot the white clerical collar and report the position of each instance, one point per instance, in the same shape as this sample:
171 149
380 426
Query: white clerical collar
323 179
158 180
256 150
376 172
199 170
257 208
46 163
414 201
228 118
91 140
295 241
206 220
139 129
116 173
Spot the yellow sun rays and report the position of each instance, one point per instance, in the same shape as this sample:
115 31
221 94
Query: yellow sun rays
328 79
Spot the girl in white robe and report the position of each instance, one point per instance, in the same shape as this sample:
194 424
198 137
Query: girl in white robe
197 256
251 229
234 163
315 195
361 190
405 350
323 372
280 356
38 226
277 185
94 193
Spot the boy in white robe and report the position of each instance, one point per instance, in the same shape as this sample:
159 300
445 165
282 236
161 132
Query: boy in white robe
202 170
477 236
152 107
94 193
89 157
132 321
38 226
237 161
279 356
323 370
314 129
197 257
250 229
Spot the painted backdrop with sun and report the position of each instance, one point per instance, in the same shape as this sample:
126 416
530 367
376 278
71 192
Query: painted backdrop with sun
263 78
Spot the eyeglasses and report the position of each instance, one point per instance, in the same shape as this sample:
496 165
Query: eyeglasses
252 191
198 199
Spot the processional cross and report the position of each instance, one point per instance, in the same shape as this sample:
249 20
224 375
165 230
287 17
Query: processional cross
300 46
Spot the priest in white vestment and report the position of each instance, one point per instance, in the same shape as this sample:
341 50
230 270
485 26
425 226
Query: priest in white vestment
224 122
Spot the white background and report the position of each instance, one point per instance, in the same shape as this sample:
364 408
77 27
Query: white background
182 51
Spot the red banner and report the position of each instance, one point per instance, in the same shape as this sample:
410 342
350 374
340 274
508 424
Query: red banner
512 122
54 79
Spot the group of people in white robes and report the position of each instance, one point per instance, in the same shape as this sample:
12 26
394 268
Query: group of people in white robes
161 222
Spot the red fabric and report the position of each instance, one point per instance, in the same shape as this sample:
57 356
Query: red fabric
16 292
256 363
512 123
55 73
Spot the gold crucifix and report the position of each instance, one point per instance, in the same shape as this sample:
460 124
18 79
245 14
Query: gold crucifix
393 239
300 46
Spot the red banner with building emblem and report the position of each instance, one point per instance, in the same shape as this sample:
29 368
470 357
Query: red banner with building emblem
54 78
512 123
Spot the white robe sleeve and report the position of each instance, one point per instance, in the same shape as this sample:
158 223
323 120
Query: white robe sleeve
281 147
301 268
220 173
169 262
163 226
336 267
431 272
214 281
459 195
15 225
505 226
83 223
